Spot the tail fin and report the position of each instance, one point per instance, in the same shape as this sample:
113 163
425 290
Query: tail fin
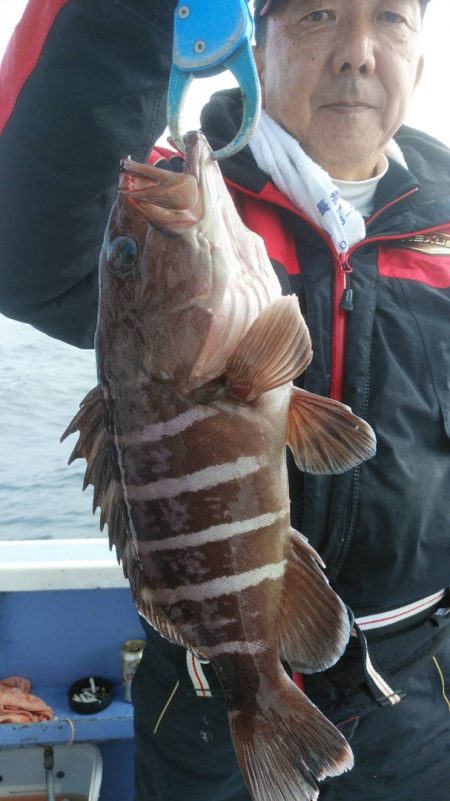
284 745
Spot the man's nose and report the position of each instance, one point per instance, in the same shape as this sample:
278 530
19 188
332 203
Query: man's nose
354 51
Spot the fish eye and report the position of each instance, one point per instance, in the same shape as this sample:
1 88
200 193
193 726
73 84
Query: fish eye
123 253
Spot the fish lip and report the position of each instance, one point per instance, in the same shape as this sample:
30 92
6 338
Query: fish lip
171 201
130 169
149 183
197 150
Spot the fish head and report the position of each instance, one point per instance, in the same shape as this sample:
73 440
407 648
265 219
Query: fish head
181 277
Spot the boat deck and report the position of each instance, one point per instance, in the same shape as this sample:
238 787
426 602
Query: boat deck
65 611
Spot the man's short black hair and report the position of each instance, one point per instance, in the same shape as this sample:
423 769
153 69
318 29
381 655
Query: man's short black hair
261 22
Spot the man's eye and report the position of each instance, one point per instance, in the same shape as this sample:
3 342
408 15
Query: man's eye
392 17
318 16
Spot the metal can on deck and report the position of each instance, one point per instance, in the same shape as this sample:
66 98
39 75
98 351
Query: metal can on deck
130 656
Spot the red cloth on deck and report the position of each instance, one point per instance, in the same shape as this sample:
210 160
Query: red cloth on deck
17 705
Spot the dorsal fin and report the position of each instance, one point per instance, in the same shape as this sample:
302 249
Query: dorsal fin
95 444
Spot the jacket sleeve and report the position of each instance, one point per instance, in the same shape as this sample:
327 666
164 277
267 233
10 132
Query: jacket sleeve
83 85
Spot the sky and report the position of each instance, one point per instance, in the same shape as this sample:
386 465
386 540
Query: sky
429 111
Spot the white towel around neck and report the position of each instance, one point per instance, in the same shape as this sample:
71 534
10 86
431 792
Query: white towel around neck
307 185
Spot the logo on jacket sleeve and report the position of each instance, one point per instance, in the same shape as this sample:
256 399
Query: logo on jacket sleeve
434 243
419 257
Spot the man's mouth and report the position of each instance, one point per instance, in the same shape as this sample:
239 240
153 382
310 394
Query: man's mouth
347 106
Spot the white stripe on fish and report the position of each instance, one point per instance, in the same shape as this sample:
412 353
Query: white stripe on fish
168 428
199 480
225 585
224 531
238 647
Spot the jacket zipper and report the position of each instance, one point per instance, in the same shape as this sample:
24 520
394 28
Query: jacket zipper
354 497
343 303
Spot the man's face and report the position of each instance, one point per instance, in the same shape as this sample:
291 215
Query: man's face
338 75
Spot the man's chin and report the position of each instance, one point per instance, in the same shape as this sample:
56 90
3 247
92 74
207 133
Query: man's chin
349 161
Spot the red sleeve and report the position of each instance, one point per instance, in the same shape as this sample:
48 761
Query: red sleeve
23 51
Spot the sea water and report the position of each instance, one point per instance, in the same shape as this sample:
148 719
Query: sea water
42 382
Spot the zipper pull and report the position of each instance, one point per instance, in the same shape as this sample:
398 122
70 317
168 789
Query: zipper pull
346 303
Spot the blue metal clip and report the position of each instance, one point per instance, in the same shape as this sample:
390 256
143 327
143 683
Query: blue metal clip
211 37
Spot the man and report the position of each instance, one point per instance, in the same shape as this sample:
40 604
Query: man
365 244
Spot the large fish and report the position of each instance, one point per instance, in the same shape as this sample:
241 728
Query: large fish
185 443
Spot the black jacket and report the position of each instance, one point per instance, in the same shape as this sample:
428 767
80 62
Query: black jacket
383 529
96 94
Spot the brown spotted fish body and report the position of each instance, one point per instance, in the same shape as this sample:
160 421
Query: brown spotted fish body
185 442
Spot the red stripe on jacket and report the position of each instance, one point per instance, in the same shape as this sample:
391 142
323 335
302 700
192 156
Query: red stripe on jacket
264 220
426 268
24 50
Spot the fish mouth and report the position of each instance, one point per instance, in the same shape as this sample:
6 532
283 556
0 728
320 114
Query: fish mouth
170 201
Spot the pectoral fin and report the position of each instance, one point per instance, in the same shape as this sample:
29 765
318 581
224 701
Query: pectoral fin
325 436
275 349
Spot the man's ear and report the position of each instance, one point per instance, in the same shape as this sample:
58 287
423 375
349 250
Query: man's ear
258 55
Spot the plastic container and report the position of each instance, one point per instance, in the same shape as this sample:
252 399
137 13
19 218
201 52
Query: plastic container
77 771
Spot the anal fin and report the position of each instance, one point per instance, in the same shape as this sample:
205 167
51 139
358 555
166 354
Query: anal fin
314 626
